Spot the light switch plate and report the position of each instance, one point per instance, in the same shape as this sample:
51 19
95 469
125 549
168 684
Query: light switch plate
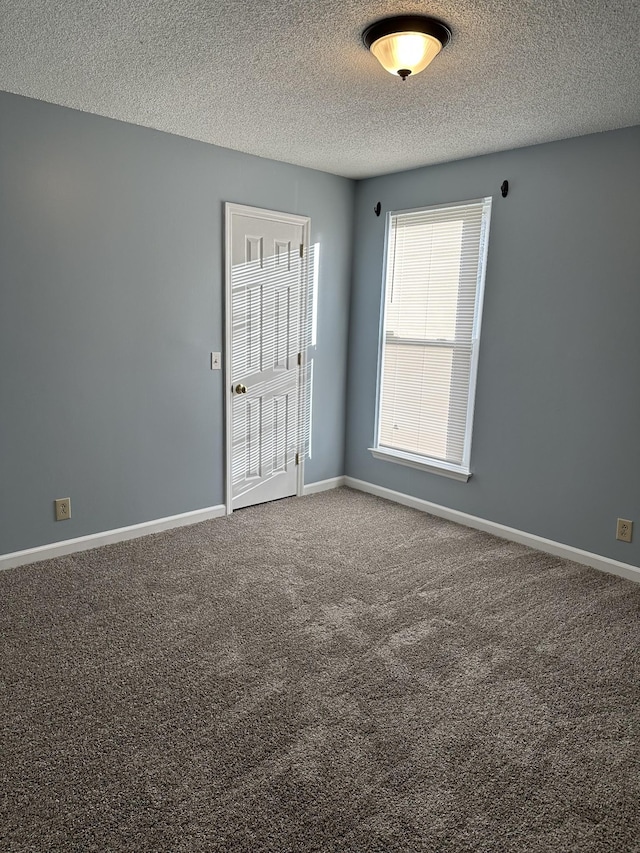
215 361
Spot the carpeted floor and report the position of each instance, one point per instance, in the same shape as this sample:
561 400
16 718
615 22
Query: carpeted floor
333 673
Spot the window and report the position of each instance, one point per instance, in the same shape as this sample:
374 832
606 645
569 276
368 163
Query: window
434 281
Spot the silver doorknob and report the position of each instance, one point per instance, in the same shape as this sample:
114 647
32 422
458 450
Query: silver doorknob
241 389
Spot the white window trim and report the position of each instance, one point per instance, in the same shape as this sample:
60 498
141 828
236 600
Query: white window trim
424 463
430 465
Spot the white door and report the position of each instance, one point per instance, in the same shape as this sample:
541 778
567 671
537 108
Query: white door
265 298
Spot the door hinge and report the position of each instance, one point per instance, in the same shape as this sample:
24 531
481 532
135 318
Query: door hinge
299 359
301 250
297 458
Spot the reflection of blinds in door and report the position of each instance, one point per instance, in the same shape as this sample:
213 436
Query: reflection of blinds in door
434 278
274 325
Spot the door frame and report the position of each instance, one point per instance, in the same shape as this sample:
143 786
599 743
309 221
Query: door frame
231 208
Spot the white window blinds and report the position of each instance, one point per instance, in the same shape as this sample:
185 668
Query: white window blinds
433 301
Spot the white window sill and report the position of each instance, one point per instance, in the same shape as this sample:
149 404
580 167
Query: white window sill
433 466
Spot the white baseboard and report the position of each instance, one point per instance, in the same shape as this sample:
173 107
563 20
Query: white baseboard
604 564
95 540
323 485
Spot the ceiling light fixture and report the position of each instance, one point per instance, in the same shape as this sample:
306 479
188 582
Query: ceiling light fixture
406 44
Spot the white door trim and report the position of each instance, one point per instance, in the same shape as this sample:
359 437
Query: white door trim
231 208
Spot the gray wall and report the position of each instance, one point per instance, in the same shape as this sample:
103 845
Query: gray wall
111 288
556 445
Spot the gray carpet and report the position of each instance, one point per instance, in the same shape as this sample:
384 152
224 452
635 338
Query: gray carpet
333 673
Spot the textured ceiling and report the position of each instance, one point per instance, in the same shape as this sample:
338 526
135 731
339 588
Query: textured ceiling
292 80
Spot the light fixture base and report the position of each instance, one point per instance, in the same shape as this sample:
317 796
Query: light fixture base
407 24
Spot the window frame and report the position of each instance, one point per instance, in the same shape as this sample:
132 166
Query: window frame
462 471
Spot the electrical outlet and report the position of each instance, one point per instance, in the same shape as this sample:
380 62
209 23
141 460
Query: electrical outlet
624 530
63 509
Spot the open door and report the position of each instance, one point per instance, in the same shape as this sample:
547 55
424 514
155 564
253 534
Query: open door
266 304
